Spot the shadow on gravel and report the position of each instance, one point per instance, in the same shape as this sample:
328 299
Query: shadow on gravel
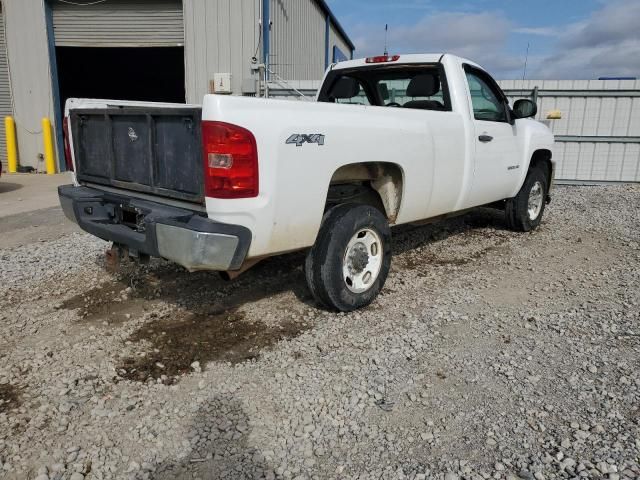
202 293
408 238
219 446
9 398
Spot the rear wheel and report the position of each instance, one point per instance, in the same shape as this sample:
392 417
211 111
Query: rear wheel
349 263
524 211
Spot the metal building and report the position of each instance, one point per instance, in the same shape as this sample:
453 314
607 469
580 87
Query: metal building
156 50
5 89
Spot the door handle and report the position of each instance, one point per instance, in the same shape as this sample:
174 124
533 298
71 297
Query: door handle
484 138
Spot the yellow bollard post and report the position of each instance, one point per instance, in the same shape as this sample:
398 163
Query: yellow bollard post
47 138
12 144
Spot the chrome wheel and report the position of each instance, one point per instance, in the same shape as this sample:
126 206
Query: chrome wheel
362 261
536 199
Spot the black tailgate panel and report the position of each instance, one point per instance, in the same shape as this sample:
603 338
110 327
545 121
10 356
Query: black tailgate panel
93 142
131 156
150 150
173 140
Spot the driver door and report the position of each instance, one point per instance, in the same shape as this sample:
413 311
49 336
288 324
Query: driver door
497 168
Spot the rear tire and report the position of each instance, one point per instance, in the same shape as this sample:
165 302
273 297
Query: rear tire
524 212
347 266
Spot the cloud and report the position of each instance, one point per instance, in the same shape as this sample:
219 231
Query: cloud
607 43
480 37
617 22
540 31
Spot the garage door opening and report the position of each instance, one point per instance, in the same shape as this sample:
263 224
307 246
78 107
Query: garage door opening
154 74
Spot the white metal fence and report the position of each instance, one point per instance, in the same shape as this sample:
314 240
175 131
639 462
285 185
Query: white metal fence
597 138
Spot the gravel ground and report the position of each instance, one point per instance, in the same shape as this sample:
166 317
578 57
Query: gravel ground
490 354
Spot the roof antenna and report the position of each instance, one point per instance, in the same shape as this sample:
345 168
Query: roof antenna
386 30
526 59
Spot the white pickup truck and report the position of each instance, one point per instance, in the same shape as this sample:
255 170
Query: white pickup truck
390 140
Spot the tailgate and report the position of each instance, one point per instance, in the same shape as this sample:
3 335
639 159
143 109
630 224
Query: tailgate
155 150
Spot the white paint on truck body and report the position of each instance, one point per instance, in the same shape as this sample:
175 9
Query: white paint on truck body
444 167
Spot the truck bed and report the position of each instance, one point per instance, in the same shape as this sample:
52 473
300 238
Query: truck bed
155 150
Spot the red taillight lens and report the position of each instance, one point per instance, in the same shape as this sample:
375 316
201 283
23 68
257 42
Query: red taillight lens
230 161
67 146
383 59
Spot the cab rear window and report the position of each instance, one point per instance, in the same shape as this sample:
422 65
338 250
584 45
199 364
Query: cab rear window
417 87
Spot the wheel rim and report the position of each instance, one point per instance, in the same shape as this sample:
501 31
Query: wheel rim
362 261
536 198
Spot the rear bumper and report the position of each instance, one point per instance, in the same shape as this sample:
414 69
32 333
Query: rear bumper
182 236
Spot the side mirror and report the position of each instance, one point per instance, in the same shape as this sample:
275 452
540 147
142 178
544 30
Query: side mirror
524 108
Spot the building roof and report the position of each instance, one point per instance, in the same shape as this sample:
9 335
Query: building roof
336 23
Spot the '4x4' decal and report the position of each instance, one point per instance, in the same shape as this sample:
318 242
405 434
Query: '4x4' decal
298 139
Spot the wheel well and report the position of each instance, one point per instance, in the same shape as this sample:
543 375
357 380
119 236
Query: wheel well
542 158
378 184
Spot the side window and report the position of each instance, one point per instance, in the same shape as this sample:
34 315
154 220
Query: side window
487 102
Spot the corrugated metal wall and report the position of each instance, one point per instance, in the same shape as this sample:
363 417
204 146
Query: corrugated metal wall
119 23
336 39
221 36
297 39
598 137
6 107
28 54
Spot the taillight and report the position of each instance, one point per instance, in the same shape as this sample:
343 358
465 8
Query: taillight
230 161
67 146
383 59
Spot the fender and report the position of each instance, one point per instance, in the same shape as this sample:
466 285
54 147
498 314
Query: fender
535 136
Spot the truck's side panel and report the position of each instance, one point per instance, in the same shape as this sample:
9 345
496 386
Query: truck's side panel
458 91
294 180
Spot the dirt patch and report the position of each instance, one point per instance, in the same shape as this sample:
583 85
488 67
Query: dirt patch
219 336
417 261
9 398
113 302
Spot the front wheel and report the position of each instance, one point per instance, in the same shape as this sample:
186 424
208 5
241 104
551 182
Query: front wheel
347 266
524 211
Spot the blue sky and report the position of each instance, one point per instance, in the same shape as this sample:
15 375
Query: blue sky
577 39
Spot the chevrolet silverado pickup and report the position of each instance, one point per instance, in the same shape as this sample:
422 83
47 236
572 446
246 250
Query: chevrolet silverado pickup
390 140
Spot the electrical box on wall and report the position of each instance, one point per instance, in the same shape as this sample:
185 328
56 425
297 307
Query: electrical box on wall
249 86
221 83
